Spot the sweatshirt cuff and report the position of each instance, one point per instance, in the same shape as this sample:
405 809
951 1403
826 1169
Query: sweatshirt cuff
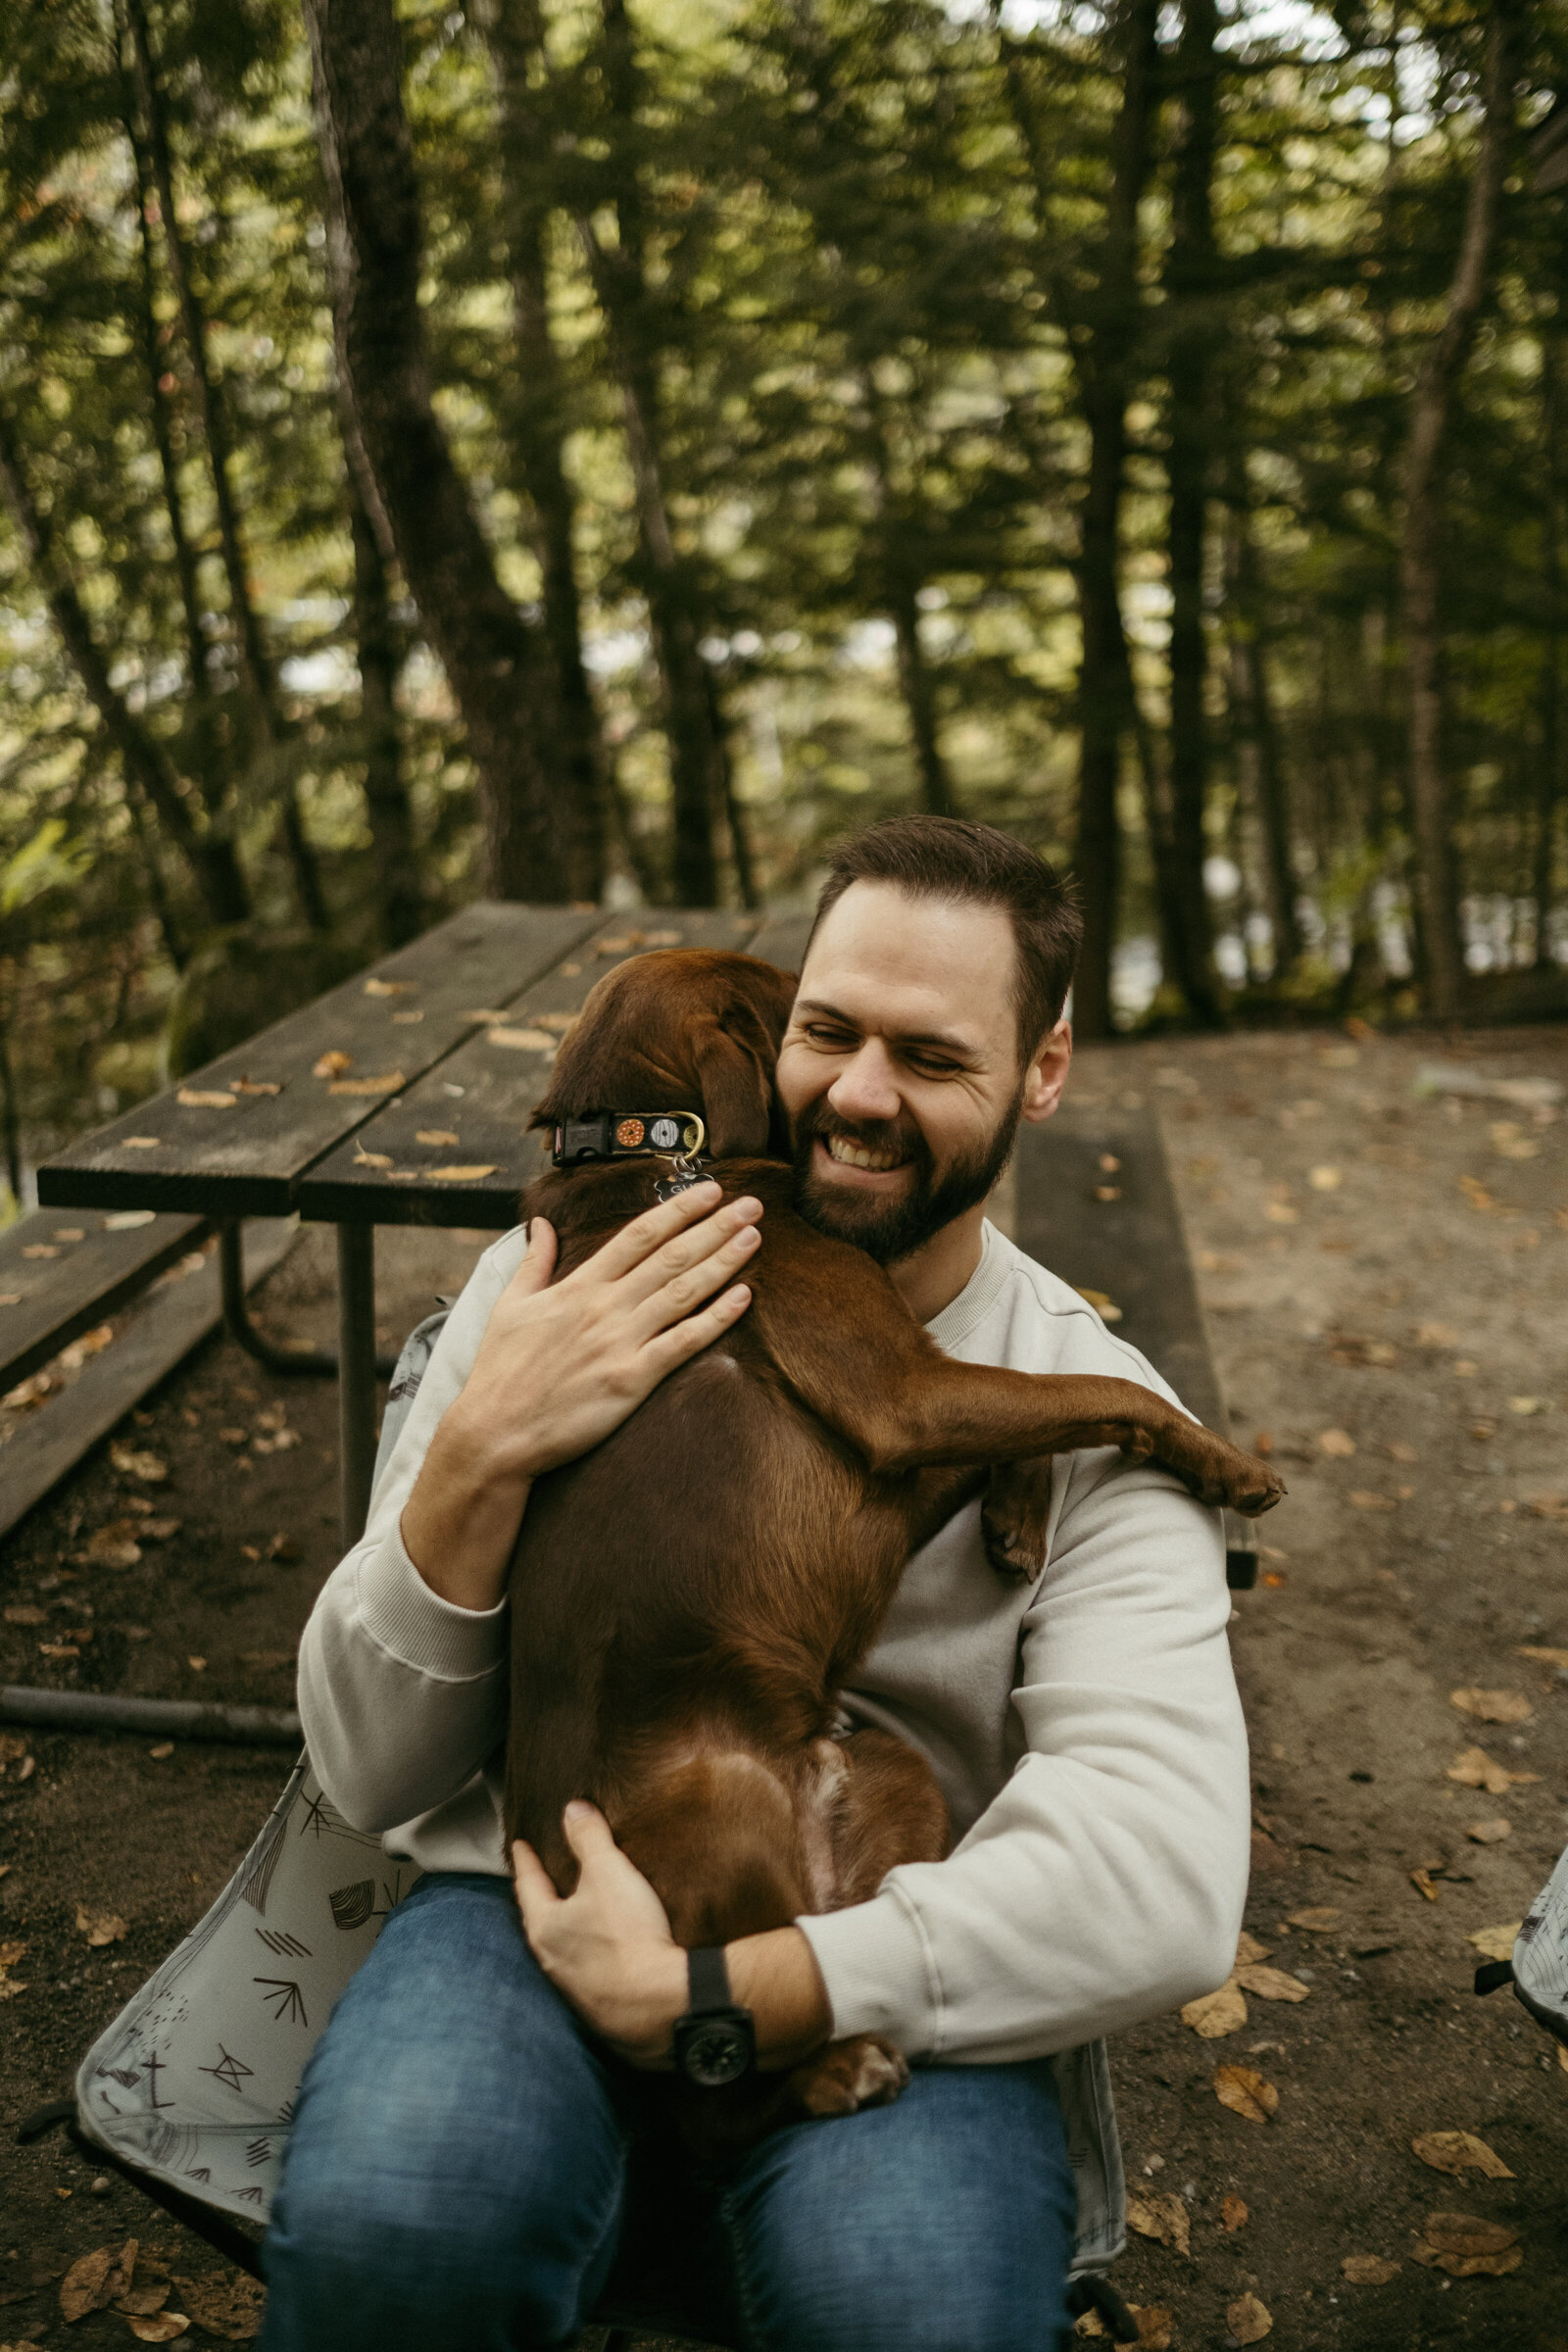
879 1971
403 1616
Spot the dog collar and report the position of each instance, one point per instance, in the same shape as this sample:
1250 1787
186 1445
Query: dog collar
677 1135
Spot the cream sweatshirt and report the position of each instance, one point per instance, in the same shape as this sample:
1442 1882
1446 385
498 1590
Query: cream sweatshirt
1086 1731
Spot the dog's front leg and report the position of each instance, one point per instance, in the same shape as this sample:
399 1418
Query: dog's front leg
1017 1516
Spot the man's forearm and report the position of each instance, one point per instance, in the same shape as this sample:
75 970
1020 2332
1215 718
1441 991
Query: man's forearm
776 1977
461 1521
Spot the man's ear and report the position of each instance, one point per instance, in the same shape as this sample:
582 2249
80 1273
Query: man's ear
1046 1074
737 1097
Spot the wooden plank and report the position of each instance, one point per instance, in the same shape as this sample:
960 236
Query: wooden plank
245 1161
46 1302
164 1330
483 1096
1133 1248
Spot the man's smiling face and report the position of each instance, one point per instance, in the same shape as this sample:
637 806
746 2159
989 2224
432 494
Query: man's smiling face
900 1070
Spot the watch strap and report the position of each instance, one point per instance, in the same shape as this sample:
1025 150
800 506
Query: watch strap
708 1980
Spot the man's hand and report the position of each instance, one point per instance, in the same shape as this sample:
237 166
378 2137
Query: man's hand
607 1949
559 1366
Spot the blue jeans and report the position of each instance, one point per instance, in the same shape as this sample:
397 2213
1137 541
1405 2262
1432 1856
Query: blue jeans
469 2172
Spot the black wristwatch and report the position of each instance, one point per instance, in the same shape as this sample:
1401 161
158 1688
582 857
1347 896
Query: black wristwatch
714 2041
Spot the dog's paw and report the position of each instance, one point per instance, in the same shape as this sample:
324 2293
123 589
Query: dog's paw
865 2072
1018 1553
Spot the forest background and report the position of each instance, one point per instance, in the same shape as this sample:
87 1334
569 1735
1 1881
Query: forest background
598 450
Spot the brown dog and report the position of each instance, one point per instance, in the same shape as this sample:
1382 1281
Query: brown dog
689 1598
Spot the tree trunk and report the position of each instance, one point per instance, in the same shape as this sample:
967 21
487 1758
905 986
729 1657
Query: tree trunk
373 240
386 793
1190 269
1253 722
209 854
1421 554
540 421
1548 769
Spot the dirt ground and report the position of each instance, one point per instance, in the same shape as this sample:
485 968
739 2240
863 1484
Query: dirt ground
1385 1271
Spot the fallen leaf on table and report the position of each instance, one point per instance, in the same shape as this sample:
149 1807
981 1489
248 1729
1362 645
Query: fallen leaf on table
1248 2319
484 1013
40 1249
161 2328
372 1160
558 1020
408 1019
133 1462
1368 2270
1363 1500
433 1134
331 1065
1493 1706
368 1086
127 1220
1497 1943
1488 1833
94 2279
1248 1951
1273 1984
1473 1768
1165 2217
196 1097
389 988
460 1175
1321 1920
1460 2152
1338 1444
1215 2014
619 945
1467 2247
226 2307
528 1041
100 1927
1246 2094
254 1086
1545 1657
140 1142
1233 2212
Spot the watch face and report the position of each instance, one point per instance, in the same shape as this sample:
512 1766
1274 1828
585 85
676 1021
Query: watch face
715 2052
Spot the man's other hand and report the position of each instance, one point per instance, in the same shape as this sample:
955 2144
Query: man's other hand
607 1946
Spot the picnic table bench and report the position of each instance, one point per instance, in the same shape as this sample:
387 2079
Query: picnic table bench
403 1097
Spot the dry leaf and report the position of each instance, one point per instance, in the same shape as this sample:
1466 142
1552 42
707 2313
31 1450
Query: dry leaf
1421 1881
40 1249
230 2307
58 1649
407 1020
140 1142
1273 1984
1527 1404
1217 2014
1325 1179
1248 2319
23 1612
1368 2270
1495 1943
254 1086
1548 1507
485 1012
1319 1922
529 1041
1233 2213
1467 2247
1282 1212
372 1160
1104 1304
1363 1500
1460 2152
94 2279
161 2328
1248 1951
433 1134
1488 1833
1545 1657
163 1751
127 1220
1165 2217
388 988
1493 1706
11 1953
143 2301
460 1175
330 1066
1337 1442
1473 1768
1246 2094
196 1097
100 1927
1155 2323
132 1462
368 1086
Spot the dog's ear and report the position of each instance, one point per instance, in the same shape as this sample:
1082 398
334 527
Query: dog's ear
737 1084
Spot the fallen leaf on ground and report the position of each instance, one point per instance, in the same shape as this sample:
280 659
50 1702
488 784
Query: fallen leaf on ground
197 1665
372 1160
1488 1833
1248 2319
1548 1507
527 1041
1495 1943
1154 2324
1493 1706
143 2301
433 1134
1368 2270
1460 2152
229 2308
460 1175
1527 1404
164 1749
1363 1500
1233 2212
1337 1442
133 1462
330 1066
1325 1179
1165 2217
161 2328
1467 2247
1398 1452
1321 1920
1421 1881
1273 1984
1246 2094
1282 1212
94 2279
1473 1768
11 1953
388 1085
22 1612
100 1927
1545 1657
58 1649
115 1544
198 1098
388 988
1248 1951
1217 2014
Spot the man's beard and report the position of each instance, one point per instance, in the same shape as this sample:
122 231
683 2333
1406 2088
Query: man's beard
891 1230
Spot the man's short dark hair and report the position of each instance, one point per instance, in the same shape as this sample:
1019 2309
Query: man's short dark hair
949 857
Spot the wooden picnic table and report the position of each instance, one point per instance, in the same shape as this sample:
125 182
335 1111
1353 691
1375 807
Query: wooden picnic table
328 1114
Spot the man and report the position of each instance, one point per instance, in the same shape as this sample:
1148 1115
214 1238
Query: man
476 2158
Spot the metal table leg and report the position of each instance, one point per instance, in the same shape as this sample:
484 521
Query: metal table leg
236 1314
356 1392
